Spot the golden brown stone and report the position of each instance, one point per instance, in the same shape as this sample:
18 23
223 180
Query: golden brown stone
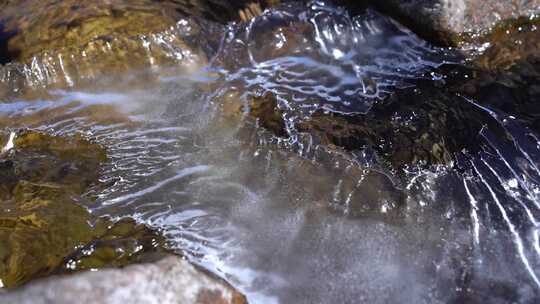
44 226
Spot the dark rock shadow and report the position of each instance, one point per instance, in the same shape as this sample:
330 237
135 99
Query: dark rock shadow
6 55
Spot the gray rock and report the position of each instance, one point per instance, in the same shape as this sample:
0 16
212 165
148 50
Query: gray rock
443 20
170 280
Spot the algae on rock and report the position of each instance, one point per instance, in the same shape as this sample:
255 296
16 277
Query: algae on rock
51 44
44 225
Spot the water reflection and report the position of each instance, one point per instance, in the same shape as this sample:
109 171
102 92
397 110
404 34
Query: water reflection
346 63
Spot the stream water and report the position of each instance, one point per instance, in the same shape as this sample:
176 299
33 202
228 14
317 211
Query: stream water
285 219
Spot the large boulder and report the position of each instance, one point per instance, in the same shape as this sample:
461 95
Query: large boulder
170 280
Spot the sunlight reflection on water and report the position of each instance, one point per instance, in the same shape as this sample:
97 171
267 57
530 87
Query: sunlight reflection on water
291 229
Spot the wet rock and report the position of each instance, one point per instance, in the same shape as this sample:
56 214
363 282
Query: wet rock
422 125
445 20
170 280
517 41
72 42
513 91
46 25
44 226
263 109
269 116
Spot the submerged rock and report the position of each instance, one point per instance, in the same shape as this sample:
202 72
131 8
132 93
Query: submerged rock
69 162
45 231
514 91
170 280
44 226
425 125
367 85
265 111
415 119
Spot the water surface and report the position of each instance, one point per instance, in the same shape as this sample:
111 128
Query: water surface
286 220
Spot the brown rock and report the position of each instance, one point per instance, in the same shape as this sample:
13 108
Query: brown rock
44 226
509 43
69 43
421 125
269 116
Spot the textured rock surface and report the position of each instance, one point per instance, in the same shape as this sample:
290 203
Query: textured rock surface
68 43
30 27
509 44
44 226
443 20
516 90
424 125
170 280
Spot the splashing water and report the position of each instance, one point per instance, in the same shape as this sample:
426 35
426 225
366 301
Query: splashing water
286 228
347 63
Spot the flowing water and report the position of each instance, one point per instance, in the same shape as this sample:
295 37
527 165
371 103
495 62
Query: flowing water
287 219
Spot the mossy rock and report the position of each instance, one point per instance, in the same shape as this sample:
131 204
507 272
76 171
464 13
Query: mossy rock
123 243
36 26
72 162
44 226
68 43
51 233
40 225
39 26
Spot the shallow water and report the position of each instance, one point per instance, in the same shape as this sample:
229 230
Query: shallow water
286 220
